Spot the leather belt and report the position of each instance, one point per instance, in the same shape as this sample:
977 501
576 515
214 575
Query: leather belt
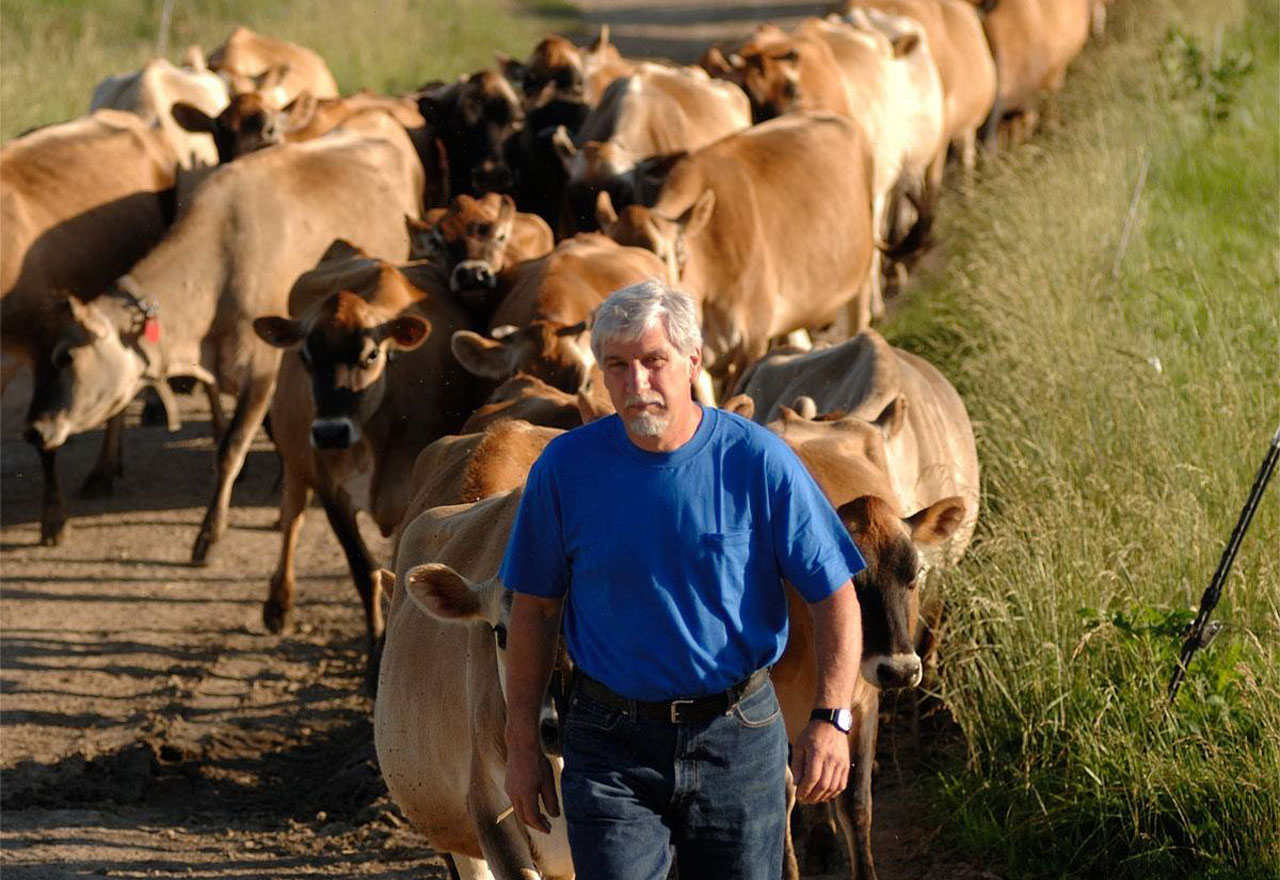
693 710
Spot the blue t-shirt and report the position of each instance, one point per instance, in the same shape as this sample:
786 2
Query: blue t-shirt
672 561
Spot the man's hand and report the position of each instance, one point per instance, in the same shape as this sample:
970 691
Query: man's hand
819 763
529 778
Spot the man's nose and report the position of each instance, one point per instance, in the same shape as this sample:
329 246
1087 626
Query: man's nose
637 379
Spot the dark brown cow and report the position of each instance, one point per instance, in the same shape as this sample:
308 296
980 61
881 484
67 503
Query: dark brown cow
473 240
540 327
347 418
770 229
80 203
474 118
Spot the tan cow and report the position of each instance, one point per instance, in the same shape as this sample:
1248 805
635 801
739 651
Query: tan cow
530 399
247 57
770 229
347 419
473 240
852 463
540 326
80 203
966 69
151 93
656 110
1033 42
254 226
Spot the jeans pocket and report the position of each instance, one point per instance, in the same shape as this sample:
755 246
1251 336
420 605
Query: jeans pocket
759 709
588 714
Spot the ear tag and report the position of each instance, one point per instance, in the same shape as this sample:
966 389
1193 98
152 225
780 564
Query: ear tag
151 329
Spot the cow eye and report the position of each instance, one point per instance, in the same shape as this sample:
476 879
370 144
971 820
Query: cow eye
62 358
483 229
372 356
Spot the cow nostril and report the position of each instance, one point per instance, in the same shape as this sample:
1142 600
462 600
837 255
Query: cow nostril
331 435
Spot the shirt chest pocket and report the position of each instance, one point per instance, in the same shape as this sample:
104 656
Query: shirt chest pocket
737 538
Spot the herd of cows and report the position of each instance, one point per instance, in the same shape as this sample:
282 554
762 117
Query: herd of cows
402 288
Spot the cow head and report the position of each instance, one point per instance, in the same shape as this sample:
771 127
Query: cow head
445 594
555 66
646 228
604 166
344 343
768 72
558 354
93 365
469 240
847 456
249 122
475 117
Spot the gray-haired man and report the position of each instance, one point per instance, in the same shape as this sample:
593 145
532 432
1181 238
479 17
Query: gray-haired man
664 533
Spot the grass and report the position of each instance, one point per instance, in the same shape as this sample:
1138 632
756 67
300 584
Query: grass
53 52
1121 419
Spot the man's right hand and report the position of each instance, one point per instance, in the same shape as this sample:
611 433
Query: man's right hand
529 778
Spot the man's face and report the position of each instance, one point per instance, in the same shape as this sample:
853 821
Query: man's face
648 381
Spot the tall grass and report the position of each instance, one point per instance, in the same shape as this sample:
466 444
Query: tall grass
53 52
1120 421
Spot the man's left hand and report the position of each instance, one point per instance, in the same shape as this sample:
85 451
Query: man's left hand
820 763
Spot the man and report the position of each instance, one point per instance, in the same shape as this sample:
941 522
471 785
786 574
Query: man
667 529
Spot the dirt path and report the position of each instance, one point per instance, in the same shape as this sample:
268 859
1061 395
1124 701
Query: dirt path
150 727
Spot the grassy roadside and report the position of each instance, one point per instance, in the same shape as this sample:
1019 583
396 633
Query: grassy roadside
53 52
1121 418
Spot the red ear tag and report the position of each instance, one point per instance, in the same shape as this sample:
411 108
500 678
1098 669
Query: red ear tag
151 330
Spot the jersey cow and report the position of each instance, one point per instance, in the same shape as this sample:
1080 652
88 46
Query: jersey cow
770 229
369 381
474 118
186 309
251 61
655 110
80 203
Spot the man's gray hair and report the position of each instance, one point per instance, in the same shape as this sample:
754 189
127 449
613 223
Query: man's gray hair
630 311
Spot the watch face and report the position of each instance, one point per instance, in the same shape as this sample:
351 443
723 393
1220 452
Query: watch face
844 720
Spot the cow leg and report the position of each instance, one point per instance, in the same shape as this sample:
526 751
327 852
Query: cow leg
467 868
217 415
505 846
110 464
277 610
251 407
968 155
53 511
790 865
342 519
853 807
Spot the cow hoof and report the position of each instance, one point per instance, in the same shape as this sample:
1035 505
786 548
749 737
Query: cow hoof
153 413
276 619
98 485
200 552
51 535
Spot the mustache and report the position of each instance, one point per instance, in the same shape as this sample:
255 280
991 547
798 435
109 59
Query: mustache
640 399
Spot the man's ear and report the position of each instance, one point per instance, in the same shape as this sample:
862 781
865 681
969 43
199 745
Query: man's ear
278 332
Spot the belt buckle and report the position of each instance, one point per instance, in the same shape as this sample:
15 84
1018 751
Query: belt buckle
675 709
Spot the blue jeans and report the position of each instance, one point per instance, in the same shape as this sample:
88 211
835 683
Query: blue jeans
716 790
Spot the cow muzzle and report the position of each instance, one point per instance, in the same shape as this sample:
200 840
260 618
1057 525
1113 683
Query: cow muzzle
472 275
893 671
47 434
334 433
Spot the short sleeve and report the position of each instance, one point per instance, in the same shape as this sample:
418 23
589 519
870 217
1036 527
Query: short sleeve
814 551
535 560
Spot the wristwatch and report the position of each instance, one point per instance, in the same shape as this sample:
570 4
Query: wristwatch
841 718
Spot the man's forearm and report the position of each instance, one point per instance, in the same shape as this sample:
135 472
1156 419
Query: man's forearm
531 651
837 624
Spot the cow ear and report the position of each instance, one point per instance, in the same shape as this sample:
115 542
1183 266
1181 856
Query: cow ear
714 62
278 332
572 329
937 522
386 580
905 44
419 231
192 118
341 249
563 145
600 41
441 592
486 358
605 215
301 110
892 417
406 332
740 404
506 215
856 514
805 406
512 69
194 58
697 217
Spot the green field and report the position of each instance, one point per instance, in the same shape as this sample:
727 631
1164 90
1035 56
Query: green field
1123 398
53 52
1121 417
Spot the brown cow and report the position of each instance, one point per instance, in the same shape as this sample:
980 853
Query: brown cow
157 87
770 229
254 226
247 57
473 240
540 327
1033 42
655 110
965 66
557 68
347 421
532 400
80 203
